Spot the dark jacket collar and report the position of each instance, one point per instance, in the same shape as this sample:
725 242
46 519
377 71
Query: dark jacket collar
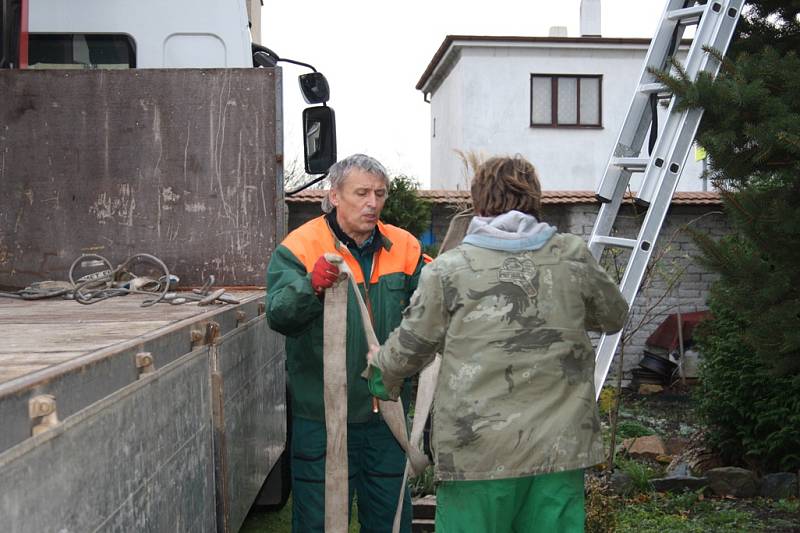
377 240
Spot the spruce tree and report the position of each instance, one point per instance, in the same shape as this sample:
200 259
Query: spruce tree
404 208
751 131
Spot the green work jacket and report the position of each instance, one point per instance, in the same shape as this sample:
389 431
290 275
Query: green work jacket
294 310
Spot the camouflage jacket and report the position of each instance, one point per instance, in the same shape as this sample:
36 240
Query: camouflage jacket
515 395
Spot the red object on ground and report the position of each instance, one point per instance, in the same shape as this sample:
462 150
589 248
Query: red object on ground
666 334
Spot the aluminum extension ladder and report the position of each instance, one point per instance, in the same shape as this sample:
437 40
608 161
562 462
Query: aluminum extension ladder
715 22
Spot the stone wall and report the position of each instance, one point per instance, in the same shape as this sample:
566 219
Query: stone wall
676 283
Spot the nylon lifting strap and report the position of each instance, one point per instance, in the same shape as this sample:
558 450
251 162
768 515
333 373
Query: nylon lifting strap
335 396
334 368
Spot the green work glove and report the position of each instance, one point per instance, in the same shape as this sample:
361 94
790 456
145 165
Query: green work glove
375 383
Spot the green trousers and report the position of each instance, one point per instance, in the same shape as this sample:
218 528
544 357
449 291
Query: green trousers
375 467
548 503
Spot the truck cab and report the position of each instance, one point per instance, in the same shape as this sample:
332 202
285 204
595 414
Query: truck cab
86 34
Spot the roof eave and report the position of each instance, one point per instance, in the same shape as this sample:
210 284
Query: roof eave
453 43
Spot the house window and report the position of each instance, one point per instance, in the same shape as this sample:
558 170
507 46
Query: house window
566 100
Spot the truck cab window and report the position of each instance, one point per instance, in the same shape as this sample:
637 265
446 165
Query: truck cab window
9 33
81 51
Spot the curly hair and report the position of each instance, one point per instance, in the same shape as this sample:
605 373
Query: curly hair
503 184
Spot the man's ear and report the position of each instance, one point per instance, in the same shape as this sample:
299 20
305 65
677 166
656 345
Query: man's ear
334 197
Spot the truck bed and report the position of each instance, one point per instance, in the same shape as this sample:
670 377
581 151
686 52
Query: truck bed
56 334
182 443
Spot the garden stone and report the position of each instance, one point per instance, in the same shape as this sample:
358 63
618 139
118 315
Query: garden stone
779 486
678 483
620 483
733 481
650 446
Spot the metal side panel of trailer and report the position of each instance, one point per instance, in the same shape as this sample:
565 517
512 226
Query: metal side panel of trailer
183 444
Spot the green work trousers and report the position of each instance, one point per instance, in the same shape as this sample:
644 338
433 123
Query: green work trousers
547 503
375 469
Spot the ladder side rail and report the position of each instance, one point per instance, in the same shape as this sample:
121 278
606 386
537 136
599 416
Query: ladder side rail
637 121
716 30
606 349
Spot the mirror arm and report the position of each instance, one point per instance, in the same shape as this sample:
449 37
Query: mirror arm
292 61
277 59
306 186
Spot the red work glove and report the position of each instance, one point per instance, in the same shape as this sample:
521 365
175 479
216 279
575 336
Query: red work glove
324 275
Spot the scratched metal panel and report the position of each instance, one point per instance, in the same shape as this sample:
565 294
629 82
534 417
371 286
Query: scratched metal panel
140 460
184 164
250 429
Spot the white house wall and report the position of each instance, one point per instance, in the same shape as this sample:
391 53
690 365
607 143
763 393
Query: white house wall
483 105
447 130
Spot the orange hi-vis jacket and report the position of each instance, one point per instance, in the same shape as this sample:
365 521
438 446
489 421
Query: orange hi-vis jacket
294 310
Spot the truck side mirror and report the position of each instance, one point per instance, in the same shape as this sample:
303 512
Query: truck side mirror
319 146
314 87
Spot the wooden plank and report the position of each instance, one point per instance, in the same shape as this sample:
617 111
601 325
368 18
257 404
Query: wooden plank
40 334
37 358
13 365
115 309
27 338
76 313
9 372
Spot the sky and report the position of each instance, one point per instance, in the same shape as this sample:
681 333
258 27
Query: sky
373 53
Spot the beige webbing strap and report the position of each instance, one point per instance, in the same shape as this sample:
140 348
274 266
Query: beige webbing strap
334 368
392 411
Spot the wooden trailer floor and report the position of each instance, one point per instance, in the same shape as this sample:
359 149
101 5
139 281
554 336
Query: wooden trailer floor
43 333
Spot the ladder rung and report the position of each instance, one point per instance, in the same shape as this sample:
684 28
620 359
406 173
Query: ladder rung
650 88
636 164
615 241
686 13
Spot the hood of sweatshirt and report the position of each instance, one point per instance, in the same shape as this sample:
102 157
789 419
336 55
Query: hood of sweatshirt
511 232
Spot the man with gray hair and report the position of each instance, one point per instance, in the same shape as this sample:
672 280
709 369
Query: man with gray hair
386 263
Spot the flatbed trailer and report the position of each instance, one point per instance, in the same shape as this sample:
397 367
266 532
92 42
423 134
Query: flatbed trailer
165 418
